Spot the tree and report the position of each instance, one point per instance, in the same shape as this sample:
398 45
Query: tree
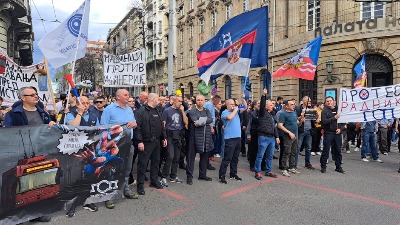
59 77
89 68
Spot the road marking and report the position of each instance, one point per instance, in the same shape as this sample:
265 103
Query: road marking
391 175
246 188
170 215
394 205
174 195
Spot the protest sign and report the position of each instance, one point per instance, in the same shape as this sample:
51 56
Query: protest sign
124 70
13 77
44 169
368 104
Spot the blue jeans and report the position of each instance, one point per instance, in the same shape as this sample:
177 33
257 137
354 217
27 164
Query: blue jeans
307 139
265 144
369 145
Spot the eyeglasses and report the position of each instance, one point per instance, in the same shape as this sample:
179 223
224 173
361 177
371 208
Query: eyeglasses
85 103
98 102
32 95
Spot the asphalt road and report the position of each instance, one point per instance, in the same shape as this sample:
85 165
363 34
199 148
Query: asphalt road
367 194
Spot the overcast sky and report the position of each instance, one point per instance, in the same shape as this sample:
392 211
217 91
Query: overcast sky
104 14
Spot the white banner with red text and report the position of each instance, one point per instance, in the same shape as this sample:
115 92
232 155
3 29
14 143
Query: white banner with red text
369 104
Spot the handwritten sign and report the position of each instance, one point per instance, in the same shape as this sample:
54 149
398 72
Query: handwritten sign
13 77
124 70
368 104
73 141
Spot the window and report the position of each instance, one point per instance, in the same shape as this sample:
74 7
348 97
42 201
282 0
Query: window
228 87
314 14
159 48
191 4
372 10
181 37
228 11
245 5
181 61
191 30
214 19
201 21
309 88
160 27
191 57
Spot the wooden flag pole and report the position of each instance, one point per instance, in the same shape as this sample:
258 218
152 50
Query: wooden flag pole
50 86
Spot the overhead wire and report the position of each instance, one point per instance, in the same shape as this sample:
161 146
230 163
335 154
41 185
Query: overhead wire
54 11
44 28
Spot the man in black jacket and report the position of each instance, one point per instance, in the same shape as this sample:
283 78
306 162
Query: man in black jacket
267 135
252 135
149 134
332 136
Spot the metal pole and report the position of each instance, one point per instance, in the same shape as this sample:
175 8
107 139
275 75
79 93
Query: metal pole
155 63
171 39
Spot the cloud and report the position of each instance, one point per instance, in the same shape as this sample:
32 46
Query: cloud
104 15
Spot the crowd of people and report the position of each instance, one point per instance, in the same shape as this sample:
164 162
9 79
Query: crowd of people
169 131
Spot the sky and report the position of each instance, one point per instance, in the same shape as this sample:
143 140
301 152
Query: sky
104 14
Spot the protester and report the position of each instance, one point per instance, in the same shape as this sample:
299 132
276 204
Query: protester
288 123
210 105
99 106
332 136
369 130
232 138
82 117
174 121
267 136
252 136
305 130
27 112
149 133
141 100
119 113
200 139
317 131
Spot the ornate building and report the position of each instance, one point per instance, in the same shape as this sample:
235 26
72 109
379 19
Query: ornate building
349 29
16 30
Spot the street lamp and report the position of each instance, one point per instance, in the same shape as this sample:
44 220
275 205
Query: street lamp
329 69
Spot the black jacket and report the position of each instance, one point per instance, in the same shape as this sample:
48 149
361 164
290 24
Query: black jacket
145 131
266 121
200 137
328 120
252 126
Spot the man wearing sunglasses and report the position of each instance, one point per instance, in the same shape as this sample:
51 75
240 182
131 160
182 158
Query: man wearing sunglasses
98 107
28 113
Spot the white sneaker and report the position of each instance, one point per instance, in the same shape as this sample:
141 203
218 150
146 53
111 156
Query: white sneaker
377 160
385 153
319 153
164 182
364 160
352 146
348 152
313 153
217 155
293 170
285 173
357 149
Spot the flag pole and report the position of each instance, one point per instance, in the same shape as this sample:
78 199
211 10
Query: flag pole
78 41
49 82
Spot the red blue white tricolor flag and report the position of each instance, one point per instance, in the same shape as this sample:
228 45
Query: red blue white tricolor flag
304 64
234 59
361 74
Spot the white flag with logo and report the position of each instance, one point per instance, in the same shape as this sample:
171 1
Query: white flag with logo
60 45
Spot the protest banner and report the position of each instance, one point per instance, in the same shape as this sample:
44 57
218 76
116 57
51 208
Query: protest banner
45 169
368 104
13 77
124 70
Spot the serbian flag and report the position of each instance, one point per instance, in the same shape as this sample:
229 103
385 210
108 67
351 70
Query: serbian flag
361 74
234 59
233 31
304 64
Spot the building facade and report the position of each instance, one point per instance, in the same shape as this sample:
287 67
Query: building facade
349 30
16 36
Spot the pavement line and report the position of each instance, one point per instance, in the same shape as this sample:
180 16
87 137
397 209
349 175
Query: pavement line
394 205
245 188
391 175
170 215
174 195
